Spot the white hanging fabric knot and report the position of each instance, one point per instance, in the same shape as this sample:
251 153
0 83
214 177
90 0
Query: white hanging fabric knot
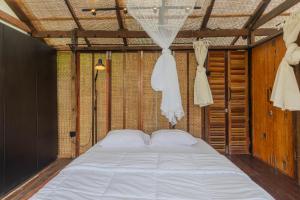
202 92
166 51
285 93
162 20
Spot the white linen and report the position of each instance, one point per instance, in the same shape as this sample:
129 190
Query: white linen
165 79
285 93
202 92
125 138
151 175
162 20
173 137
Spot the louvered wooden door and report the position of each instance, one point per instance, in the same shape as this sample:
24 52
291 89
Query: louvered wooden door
238 102
216 113
227 119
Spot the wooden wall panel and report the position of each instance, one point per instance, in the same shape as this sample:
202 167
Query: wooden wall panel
259 105
86 82
64 106
101 99
151 112
238 102
131 89
117 92
273 140
195 116
182 70
216 124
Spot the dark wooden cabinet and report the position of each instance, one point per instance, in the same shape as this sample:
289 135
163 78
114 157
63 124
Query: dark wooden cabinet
28 118
1 114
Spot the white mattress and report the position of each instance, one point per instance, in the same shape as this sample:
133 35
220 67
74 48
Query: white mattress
152 173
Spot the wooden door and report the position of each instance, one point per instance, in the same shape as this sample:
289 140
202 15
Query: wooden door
216 113
238 102
261 142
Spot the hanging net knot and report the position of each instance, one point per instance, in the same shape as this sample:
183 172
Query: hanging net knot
166 51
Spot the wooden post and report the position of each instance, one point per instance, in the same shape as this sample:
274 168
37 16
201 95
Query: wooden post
108 88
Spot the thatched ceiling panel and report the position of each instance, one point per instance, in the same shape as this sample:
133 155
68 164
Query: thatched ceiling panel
226 23
237 7
48 25
107 24
276 22
78 5
105 41
45 8
185 41
220 41
132 25
140 41
192 24
62 42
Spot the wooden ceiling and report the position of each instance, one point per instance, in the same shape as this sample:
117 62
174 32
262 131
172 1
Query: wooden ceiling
225 23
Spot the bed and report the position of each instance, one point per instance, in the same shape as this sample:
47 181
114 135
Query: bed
152 173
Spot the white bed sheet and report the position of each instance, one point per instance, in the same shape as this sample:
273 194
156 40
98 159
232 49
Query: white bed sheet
152 173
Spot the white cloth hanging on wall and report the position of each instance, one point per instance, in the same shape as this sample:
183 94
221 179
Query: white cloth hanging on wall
162 20
285 93
202 92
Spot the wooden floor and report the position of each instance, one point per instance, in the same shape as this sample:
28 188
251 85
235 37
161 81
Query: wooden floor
26 190
278 185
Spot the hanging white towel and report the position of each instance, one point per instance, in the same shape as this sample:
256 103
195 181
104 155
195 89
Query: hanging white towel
165 79
285 93
202 92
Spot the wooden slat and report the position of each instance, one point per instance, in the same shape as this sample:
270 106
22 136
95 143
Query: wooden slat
132 89
238 102
14 21
275 12
120 21
68 4
216 129
15 6
117 91
207 14
254 17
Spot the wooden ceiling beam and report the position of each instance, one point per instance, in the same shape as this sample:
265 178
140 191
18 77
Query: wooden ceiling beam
120 21
254 17
71 10
14 21
143 34
15 7
275 12
207 15
153 48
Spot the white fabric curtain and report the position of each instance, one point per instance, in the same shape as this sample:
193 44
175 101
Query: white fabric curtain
202 92
285 93
162 20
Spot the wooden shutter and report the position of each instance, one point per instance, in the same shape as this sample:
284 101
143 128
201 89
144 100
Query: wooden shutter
216 116
238 102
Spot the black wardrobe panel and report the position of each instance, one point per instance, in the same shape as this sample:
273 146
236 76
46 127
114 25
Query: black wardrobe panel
1 116
47 107
20 107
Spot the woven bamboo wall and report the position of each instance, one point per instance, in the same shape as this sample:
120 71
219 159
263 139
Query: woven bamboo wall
134 104
64 88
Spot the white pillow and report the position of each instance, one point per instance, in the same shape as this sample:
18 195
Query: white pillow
125 138
172 137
